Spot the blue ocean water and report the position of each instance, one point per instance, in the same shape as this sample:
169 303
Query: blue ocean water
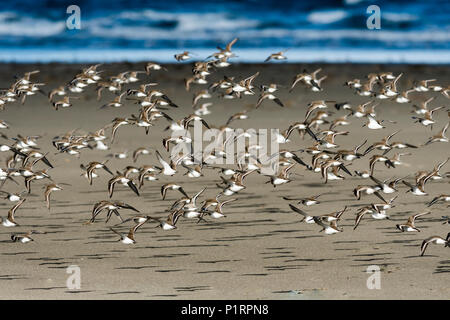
411 31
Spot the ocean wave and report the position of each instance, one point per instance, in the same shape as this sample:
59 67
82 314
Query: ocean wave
327 17
200 25
13 25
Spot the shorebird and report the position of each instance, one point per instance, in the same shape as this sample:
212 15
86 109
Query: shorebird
153 66
306 78
348 155
224 53
175 140
368 190
237 116
24 238
64 103
270 96
396 158
116 123
360 110
423 86
171 186
439 137
389 90
38 156
168 169
171 221
276 56
217 213
315 84
403 97
203 109
373 123
189 206
334 216
379 158
442 197
129 238
122 179
360 214
111 207
419 188
329 140
409 225
331 164
377 211
381 145
13 197
386 187
235 184
306 217
315 105
363 174
182 56
436 240
60 91
366 89
331 228
423 107
48 190
9 221
353 84
282 178
194 117
116 103
427 120
422 178
92 167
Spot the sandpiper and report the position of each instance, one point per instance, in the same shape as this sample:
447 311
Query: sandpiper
409 225
171 186
13 197
436 240
9 221
270 96
276 56
368 190
217 213
440 136
24 238
129 238
331 228
121 178
306 217
442 197
373 123
92 167
168 169
182 56
111 207
48 190
171 221
360 214
379 158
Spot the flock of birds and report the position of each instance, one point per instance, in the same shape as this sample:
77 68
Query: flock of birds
327 160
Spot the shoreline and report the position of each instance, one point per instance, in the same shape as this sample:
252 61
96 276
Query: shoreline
295 55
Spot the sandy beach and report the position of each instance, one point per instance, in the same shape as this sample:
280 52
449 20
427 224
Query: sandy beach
261 250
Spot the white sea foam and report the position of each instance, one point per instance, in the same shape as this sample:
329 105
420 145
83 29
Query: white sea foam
244 55
399 17
13 25
326 17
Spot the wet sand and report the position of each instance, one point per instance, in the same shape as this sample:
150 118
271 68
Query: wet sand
261 250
